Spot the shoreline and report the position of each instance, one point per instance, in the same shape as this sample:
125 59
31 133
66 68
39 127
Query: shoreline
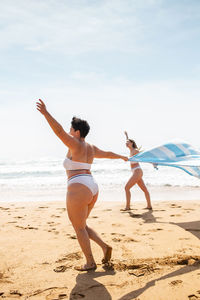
156 254
158 193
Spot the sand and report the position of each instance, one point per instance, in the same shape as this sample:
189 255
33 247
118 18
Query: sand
156 254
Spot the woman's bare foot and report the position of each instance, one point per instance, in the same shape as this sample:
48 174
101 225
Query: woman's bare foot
150 208
125 209
107 254
86 267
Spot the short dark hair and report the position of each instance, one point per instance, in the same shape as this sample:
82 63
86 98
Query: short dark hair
81 125
133 143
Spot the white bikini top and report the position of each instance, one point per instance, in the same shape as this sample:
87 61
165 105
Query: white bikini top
69 164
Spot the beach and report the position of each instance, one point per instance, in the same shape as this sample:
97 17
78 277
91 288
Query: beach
109 88
156 254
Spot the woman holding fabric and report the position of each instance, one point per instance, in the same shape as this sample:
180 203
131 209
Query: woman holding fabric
136 177
82 191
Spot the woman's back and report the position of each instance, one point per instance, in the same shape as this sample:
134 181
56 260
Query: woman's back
84 153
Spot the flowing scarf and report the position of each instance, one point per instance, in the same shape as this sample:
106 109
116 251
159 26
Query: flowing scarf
180 155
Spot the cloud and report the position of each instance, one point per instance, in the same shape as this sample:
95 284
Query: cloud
64 25
75 27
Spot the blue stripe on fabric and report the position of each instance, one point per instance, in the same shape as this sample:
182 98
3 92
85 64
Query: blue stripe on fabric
197 170
192 151
160 153
143 156
175 149
158 156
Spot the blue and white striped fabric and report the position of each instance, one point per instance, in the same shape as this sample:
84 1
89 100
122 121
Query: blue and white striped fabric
179 155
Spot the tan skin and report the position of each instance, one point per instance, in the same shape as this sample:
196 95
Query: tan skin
80 200
136 178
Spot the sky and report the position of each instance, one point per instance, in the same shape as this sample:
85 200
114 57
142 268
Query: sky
120 64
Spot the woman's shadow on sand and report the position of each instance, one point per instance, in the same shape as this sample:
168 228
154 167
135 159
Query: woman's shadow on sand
148 217
86 286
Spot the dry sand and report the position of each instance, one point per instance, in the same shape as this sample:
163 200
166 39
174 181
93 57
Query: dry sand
156 254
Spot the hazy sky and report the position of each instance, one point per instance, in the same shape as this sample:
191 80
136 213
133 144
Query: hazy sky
121 64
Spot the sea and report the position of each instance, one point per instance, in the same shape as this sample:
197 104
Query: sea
45 178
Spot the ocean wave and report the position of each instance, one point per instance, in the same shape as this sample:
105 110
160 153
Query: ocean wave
108 173
20 174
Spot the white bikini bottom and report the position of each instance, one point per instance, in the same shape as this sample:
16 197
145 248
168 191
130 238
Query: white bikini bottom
85 179
135 168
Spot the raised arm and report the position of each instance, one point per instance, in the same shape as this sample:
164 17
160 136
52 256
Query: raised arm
107 154
66 138
126 134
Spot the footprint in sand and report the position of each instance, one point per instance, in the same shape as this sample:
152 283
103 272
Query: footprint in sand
128 240
175 282
178 215
73 237
120 234
43 207
54 224
116 240
61 269
28 227
70 257
56 296
175 206
137 273
15 293
67 258
117 225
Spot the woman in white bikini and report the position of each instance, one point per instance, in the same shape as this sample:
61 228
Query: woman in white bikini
136 177
82 189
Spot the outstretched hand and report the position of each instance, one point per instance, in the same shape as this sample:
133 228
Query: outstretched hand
125 158
126 134
41 107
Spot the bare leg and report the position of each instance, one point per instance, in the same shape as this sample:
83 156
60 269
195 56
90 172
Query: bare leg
143 187
128 197
94 236
131 182
78 199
